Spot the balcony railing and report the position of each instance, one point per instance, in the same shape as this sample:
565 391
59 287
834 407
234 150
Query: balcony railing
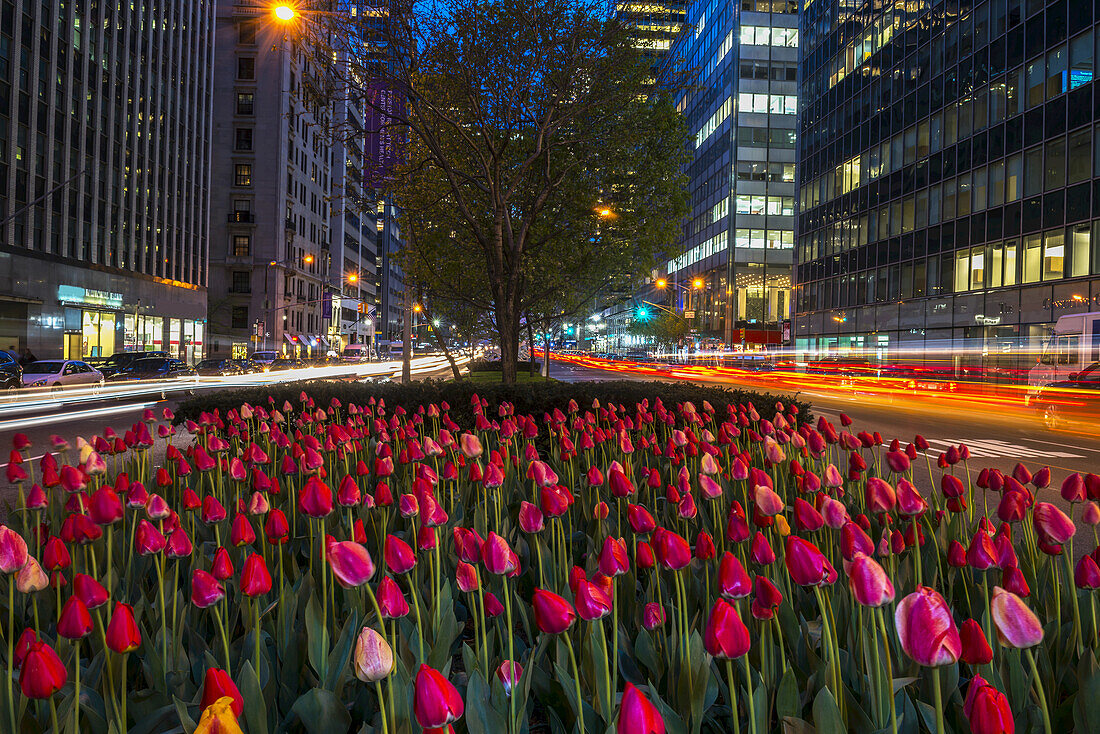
242 218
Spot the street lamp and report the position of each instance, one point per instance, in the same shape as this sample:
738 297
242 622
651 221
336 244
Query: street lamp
353 278
285 12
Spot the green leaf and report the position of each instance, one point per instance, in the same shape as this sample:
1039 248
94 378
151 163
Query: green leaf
255 708
185 718
341 654
787 700
1086 704
316 635
321 712
793 725
646 655
481 717
826 714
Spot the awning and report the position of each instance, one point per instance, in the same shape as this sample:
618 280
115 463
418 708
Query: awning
291 339
324 341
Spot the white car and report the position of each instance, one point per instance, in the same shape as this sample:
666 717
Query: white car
58 373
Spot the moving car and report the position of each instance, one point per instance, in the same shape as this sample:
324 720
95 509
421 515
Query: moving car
155 368
218 368
287 363
249 367
58 373
1070 401
11 375
122 360
356 353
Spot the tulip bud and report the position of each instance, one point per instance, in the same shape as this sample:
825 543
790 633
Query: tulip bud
42 673
373 656
975 648
217 685
987 709
205 589
926 630
436 702
509 674
653 616
553 614
255 578
75 622
637 715
1017 626
123 634
869 583
726 636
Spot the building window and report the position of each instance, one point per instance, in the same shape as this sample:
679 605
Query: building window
1080 156
1055 176
242 282
1054 255
1033 260
1080 60
242 245
239 317
246 67
242 174
243 138
1081 250
245 102
247 32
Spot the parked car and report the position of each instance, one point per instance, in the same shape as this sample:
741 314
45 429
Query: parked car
249 367
11 374
156 368
122 360
287 363
218 368
59 373
1071 401
264 358
357 353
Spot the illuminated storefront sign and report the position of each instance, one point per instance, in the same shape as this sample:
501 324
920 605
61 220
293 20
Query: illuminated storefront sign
74 295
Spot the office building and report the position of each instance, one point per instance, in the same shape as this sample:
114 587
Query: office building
105 153
653 27
947 171
732 281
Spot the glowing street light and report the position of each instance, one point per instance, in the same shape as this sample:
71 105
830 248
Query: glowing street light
308 259
436 322
353 277
661 283
285 12
417 308
697 284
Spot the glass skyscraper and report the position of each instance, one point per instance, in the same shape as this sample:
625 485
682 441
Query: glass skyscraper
739 60
947 162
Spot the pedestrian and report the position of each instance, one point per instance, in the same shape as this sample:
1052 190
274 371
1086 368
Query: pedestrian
27 358
12 352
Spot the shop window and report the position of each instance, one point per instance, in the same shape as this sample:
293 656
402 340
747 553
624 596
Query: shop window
242 174
1081 250
239 317
1033 259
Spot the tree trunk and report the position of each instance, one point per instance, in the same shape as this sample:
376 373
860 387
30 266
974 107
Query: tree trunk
546 354
508 333
530 347
443 345
406 335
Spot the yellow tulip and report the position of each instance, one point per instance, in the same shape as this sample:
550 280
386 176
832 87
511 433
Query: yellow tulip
782 526
218 718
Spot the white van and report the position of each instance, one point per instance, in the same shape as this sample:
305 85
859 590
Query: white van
356 353
1074 345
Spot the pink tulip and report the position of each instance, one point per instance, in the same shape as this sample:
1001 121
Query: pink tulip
1017 626
926 630
869 583
350 562
1052 523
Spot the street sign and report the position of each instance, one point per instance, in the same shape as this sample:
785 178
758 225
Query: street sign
689 314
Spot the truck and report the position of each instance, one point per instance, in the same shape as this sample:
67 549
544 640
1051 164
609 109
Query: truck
1074 346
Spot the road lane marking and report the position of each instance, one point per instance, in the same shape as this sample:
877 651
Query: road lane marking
990 448
67 417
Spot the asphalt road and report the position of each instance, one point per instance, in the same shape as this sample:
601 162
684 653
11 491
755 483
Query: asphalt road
996 437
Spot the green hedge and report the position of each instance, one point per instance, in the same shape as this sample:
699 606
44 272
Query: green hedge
529 398
485 365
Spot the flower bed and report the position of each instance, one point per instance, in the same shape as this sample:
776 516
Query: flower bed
652 565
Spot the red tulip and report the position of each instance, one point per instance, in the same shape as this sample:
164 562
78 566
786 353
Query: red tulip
926 630
806 518
75 622
436 702
466 577
637 715
217 684
1086 575
391 600
399 556
1017 626
653 616
671 549
509 675
350 562
726 636
222 567
315 498
205 589
614 558
90 591
498 556
42 673
766 594
530 518
806 564
975 648
123 634
982 553
880 496
276 527
869 583
733 580
1052 523
987 709
956 554
592 603
641 522
553 614
1012 579
255 579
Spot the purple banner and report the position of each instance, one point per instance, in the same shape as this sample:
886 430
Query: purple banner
384 133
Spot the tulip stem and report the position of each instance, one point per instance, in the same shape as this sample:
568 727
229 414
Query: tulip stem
381 706
76 685
748 686
225 642
1072 588
889 669
10 634
1039 693
416 608
577 680
53 714
122 693
511 656
733 697
256 632
938 698
614 637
